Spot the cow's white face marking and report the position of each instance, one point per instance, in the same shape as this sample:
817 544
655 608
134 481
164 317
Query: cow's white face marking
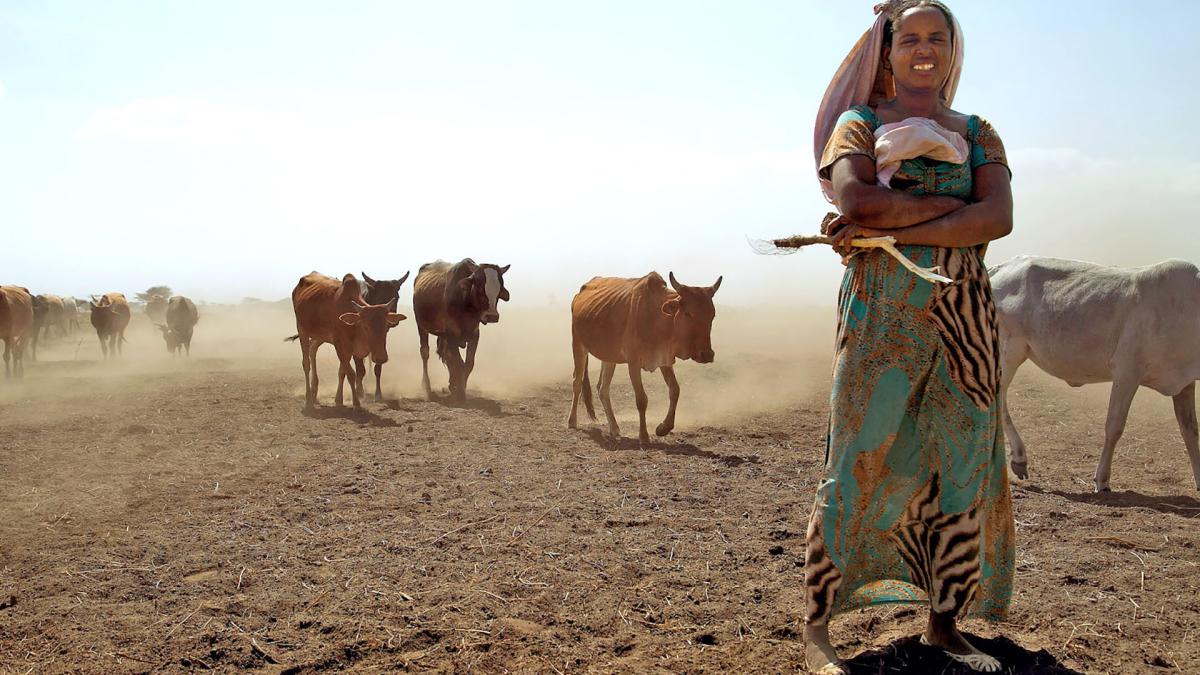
491 286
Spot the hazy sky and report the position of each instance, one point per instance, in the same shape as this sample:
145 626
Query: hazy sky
227 147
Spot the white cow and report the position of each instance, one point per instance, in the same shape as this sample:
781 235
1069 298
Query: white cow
1085 323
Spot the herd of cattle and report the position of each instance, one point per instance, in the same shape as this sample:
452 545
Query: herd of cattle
1080 322
27 319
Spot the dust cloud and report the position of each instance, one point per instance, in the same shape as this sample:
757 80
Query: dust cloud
766 358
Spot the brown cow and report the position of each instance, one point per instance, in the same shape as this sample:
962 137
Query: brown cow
156 308
450 301
331 311
110 317
644 324
181 320
16 324
49 312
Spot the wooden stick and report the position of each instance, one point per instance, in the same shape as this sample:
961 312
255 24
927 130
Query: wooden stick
888 244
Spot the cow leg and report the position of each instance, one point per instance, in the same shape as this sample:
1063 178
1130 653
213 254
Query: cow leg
1013 351
344 372
360 374
7 353
103 346
1125 385
668 423
639 396
378 386
313 346
424 336
1185 414
472 345
578 378
307 365
458 377
607 369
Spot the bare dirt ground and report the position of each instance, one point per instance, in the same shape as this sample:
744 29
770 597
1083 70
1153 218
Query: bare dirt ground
172 515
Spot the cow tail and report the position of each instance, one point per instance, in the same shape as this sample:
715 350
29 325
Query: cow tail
587 396
292 338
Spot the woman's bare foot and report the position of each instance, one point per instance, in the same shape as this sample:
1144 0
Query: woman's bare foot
942 632
819 654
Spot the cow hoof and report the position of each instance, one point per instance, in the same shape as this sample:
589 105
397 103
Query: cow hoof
663 430
644 441
571 424
1102 489
1021 470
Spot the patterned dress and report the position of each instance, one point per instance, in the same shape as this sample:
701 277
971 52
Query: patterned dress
915 504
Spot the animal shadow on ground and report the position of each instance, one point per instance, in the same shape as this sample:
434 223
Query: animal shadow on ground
1179 505
362 416
484 405
598 437
908 655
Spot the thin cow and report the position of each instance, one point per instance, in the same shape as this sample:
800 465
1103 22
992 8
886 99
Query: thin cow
1086 323
182 318
328 310
381 292
16 324
450 301
642 323
110 317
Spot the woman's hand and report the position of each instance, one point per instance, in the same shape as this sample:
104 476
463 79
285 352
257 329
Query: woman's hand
848 232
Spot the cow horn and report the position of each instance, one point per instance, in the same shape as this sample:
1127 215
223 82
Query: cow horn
404 278
368 279
356 306
674 284
713 289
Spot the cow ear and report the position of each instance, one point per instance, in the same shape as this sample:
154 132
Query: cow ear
504 294
712 290
671 307
393 318
350 318
368 279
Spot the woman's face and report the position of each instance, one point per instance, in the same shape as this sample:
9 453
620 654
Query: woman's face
920 52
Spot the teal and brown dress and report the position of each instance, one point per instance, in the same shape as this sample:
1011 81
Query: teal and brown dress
914 504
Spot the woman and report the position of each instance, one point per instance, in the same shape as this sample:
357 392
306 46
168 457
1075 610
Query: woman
914 505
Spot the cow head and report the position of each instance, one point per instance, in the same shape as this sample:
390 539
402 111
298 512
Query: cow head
493 291
374 321
102 310
383 291
692 312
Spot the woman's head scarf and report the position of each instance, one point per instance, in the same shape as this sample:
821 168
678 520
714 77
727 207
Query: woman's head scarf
862 80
